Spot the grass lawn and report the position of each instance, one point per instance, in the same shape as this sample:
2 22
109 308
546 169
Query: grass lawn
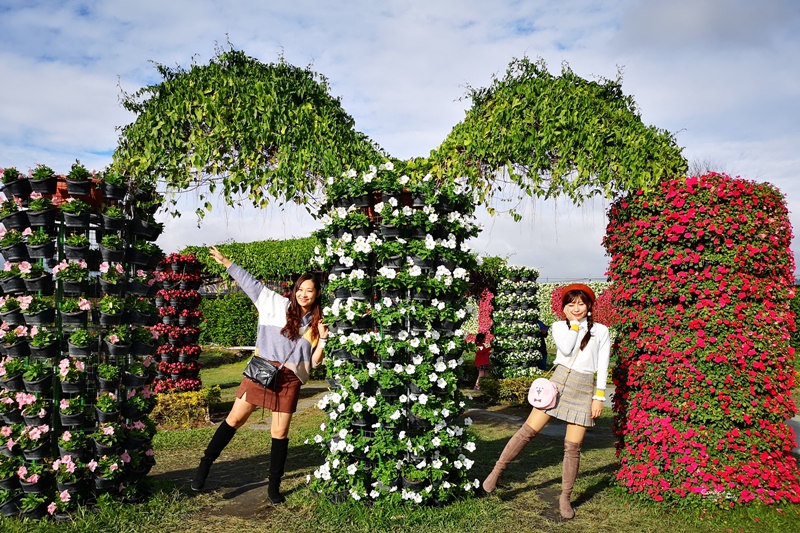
525 501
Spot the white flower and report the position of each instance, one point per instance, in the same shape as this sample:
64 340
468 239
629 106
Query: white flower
436 441
388 166
374 494
445 412
459 273
441 383
403 398
403 179
330 180
433 217
396 415
440 366
357 407
414 271
414 343
417 359
432 377
371 401
470 446
342 433
434 349
352 469
423 399
410 369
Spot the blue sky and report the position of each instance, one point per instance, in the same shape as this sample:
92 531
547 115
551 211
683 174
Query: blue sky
721 74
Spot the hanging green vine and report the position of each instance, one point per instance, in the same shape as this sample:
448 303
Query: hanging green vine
249 130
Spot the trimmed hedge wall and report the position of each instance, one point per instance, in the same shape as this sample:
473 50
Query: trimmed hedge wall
230 320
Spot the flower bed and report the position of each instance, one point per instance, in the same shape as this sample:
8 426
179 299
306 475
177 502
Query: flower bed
702 276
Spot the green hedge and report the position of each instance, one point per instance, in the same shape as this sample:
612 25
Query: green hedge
230 320
509 391
266 260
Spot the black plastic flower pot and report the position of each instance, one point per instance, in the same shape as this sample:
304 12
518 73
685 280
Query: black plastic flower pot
40 385
136 257
47 316
12 285
13 384
140 348
77 318
143 229
76 253
105 417
76 221
18 349
45 352
116 350
37 454
9 483
106 319
72 420
44 186
112 256
14 416
132 381
103 484
42 251
72 487
19 187
45 218
132 413
17 220
114 192
13 318
138 288
107 384
391 232
72 387
113 223
79 188
43 284
78 351
112 289
15 253
69 286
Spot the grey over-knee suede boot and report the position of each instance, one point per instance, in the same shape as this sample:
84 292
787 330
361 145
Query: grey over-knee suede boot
514 446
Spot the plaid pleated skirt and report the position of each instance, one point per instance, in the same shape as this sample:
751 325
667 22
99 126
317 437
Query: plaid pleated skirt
575 391
281 397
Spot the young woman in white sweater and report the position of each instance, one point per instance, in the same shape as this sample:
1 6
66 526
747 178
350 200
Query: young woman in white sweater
583 351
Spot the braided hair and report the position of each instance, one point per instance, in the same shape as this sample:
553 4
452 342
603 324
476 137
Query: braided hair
572 296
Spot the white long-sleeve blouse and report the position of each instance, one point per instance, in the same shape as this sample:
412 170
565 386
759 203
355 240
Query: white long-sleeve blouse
593 359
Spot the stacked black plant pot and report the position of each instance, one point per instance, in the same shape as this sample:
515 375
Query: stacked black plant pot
178 304
111 448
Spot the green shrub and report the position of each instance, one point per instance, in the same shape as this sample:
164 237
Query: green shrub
230 320
510 391
185 409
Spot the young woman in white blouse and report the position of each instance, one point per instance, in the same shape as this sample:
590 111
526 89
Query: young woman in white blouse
583 349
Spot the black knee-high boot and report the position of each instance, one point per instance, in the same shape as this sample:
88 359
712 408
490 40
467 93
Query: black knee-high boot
277 462
221 438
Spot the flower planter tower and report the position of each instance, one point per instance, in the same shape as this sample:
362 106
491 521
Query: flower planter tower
397 267
84 326
178 308
515 344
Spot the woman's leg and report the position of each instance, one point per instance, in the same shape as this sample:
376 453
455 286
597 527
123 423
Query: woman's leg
239 414
481 373
569 469
533 425
277 456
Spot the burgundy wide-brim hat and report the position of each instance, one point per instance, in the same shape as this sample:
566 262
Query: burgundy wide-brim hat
578 287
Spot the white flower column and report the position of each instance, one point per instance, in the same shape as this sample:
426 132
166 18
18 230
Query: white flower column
515 346
398 287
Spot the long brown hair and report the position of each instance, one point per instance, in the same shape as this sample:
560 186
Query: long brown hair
294 313
572 296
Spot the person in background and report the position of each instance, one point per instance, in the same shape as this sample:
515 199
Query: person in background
291 336
542 335
482 358
583 352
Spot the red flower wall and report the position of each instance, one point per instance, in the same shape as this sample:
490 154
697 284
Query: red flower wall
702 278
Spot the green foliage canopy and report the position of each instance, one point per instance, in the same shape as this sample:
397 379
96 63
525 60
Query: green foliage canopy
258 131
269 260
557 135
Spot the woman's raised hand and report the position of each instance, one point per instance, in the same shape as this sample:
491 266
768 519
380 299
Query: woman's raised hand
217 256
323 330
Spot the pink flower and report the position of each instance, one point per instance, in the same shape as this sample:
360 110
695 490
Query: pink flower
10 444
23 399
114 467
108 430
66 436
9 265
21 331
64 496
126 458
6 431
25 267
33 479
150 453
26 232
34 330
79 366
24 302
84 304
35 195
104 266
51 509
22 472
92 465
120 268
113 339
